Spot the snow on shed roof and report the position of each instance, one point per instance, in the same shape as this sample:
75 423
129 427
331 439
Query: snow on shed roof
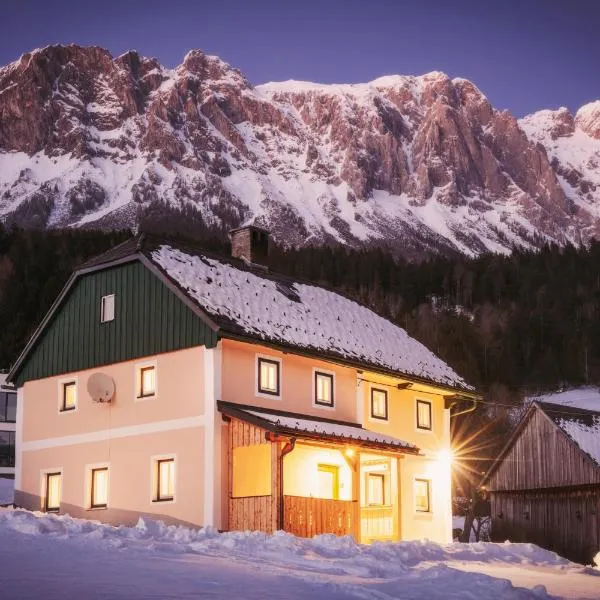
306 427
581 425
586 397
281 310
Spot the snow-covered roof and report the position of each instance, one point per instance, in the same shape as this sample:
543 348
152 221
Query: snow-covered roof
305 427
581 425
280 310
587 397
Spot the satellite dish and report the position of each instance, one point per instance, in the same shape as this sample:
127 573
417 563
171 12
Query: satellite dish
101 387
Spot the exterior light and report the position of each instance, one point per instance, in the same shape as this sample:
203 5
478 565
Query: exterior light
349 452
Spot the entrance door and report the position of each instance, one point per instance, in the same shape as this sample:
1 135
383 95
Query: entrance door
329 482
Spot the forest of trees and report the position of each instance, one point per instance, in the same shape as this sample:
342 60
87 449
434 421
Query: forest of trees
510 326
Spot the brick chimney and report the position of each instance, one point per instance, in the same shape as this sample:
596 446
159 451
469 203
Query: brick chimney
250 243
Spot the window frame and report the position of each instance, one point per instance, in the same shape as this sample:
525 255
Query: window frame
4 399
102 308
139 368
141 371
12 445
264 393
156 462
334 470
46 480
428 482
331 376
430 405
374 417
62 385
378 475
93 470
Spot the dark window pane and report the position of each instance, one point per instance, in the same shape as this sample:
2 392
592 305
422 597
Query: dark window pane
3 406
11 408
7 448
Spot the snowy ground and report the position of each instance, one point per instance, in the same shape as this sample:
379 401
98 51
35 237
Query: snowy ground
60 557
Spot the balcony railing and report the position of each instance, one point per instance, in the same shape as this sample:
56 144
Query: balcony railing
306 517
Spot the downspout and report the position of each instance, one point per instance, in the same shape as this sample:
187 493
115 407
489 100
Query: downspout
289 446
465 411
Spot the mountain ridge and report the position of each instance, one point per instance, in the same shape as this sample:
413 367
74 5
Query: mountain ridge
418 164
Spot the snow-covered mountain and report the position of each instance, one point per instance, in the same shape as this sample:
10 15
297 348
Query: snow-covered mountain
419 164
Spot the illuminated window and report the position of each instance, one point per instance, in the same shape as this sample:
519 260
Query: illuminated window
268 376
107 308
375 489
379 404
424 415
422 495
99 489
323 389
69 396
328 482
165 480
147 381
53 485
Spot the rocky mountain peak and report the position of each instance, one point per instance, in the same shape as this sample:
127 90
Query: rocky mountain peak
588 119
419 164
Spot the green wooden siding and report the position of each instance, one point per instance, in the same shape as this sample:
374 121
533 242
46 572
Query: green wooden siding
149 319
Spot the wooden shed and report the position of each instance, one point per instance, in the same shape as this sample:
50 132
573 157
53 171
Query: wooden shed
544 487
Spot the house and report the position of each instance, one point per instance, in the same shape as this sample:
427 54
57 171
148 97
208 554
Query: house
210 391
545 485
8 416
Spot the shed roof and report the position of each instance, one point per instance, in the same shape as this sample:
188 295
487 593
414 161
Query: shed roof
315 428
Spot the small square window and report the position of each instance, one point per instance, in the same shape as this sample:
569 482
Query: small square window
107 309
379 404
375 489
147 381
165 480
422 495
99 489
69 396
268 376
424 415
52 485
323 389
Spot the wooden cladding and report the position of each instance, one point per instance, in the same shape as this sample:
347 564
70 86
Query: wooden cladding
306 517
542 456
257 513
149 319
565 521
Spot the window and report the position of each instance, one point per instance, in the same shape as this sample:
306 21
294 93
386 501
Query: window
69 396
328 479
99 489
379 404
107 308
7 448
147 381
8 407
268 376
53 487
323 388
375 489
423 415
422 495
165 479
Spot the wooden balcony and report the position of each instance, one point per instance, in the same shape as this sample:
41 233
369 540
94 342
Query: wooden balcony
306 517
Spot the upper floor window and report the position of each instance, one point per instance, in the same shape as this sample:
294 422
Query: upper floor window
8 407
379 404
422 495
424 415
7 448
68 396
269 376
107 308
146 381
323 388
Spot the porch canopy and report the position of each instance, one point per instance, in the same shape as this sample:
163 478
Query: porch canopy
319 429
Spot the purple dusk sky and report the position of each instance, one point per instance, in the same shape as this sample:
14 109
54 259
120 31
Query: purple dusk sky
523 54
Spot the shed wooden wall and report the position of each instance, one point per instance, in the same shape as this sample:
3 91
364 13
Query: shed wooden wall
542 456
256 513
566 521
